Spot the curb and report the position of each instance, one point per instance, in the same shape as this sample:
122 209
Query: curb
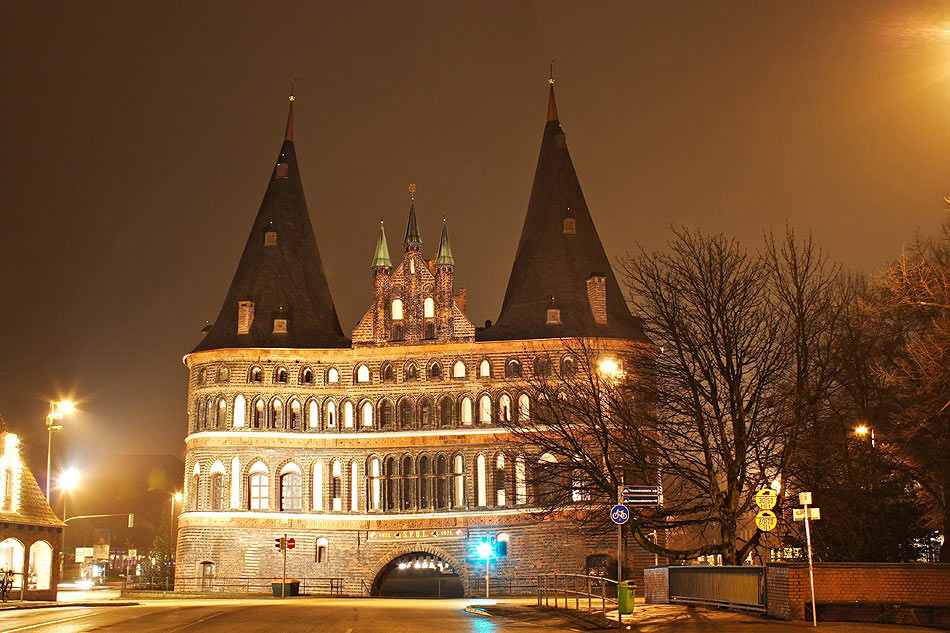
53 605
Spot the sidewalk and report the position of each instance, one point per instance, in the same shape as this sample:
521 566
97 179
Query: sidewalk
667 618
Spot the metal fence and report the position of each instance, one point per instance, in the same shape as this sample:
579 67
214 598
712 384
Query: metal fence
740 588
504 585
577 591
241 584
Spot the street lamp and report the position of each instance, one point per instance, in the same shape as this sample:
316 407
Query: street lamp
56 412
177 497
67 481
864 430
484 550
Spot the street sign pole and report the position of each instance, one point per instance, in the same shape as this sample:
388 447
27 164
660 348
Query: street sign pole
811 571
619 542
283 585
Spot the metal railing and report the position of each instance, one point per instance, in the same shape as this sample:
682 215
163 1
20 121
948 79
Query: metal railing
504 585
741 588
586 592
243 584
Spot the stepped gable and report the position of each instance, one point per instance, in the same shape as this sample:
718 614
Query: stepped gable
561 283
279 296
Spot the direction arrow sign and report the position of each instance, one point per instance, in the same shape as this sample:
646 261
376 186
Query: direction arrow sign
766 498
798 514
619 514
766 520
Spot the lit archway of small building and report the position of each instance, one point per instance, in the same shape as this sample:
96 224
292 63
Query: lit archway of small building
41 562
407 552
11 557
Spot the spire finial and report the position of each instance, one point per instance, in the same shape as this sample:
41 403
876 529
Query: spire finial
412 192
552 106
289 135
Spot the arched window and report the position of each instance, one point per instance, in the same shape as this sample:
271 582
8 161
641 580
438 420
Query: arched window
405 413
224 374
443 487
291 489
481 485
390 485
385 414
331 414
294 414
397 334
426 417
280 374
322 549
524 408
313 415
424 478
501 545
446 411
500 480
195 491
547 476
217 492
388 373
201 376
407 483
435 371
465 410
504 408
459 471
429 330
580 491
333 376
521 485
542 365
428 308
258 421
258 487
348 415
513 368
256 374
366 414
317 489
362 374
210 413
374 488
484 369
411 373
221 416
276 414
306 376
568 366
397 309
239 404
484 410
11 557
458 369
336 485
41 563
354 487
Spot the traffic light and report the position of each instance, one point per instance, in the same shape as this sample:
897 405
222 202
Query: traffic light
291 543
279 543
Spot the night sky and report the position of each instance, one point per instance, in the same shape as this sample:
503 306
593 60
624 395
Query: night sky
136 141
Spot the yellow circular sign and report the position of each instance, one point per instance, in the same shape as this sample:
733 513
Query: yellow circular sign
765 520
766 498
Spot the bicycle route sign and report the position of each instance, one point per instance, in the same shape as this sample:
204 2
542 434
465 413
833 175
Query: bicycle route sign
619 514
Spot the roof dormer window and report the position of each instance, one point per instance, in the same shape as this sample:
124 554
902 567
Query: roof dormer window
554 316
570 227
281 170
280 326
270 238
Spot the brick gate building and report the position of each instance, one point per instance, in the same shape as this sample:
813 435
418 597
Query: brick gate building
386 451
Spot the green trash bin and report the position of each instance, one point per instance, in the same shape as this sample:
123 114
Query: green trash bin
626 595
292 588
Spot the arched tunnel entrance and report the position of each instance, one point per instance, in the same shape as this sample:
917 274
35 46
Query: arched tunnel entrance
418 574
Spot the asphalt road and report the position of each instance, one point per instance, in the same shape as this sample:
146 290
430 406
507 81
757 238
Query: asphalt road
259 615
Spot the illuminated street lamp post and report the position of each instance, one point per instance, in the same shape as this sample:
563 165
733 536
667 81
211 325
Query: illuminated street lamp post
177 497
56 412
67 482
485 550
863 431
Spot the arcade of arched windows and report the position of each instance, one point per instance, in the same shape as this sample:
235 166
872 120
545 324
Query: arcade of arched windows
439 481
219 412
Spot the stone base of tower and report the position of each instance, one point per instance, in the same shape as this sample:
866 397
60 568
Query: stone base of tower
236 557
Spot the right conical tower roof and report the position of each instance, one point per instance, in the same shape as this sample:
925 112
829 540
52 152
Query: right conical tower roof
561 283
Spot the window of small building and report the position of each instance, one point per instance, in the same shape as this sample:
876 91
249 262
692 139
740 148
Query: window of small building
484 369
258 420
306 376
425 413
348 415
443 487
524 408
221 416
294 421
425 481
313 415
397 310
458 369
481 486
258 483
256 374
331 414
465 410
428 308
504 408
446 411
280 375
542 365
217 492
317 486
374 488
388 373
333 376
354 487
223 374
390 485
412 373
336 485
435 371
521 484
322 547
239 411
291 489
362 374
568 366
513 368
385 414
408 483
501 548
429 330
405 413
484 410
499 480
459 472
276 414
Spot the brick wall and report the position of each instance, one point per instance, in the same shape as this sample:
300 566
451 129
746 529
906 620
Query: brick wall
656 585
915 584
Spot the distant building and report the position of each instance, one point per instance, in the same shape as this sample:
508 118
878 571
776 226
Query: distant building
31 535
383 454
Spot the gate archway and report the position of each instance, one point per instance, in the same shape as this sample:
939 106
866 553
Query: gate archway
419 572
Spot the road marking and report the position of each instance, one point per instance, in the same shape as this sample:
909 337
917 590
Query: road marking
48 623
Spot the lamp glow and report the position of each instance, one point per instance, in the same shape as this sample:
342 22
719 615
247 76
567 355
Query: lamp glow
66 406
609 366
484 550
861 430
69 480
178 497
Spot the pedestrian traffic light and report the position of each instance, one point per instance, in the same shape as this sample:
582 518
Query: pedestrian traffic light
279 543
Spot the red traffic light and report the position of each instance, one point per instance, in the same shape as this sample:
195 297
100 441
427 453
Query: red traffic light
278 543
291 543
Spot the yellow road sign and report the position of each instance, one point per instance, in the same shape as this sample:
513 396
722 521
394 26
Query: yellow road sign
765 520
766 498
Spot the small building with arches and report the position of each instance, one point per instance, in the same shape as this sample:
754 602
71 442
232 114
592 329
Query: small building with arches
385 454
31 535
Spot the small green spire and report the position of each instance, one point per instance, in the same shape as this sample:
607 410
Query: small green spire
381 256
445 249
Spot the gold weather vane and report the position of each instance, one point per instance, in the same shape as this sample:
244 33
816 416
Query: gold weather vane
412 193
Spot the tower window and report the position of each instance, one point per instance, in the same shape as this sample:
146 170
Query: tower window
280 326
570 228
428 308
281 170
430 330
245 316
397 309
270 238
554 316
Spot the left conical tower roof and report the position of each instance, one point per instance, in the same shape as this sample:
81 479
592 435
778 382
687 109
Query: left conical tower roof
281 272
